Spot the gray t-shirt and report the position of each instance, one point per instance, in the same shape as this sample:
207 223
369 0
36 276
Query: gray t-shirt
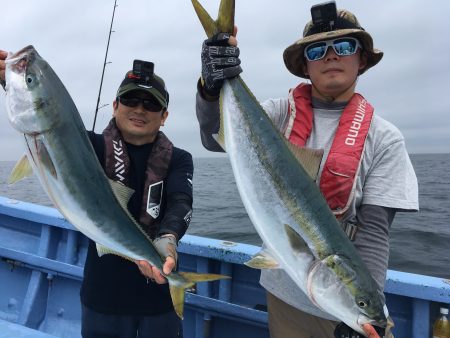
386 179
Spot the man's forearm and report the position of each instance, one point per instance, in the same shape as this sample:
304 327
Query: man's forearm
208 115
177 216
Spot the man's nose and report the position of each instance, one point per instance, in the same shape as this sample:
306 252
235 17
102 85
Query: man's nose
140 108
331 54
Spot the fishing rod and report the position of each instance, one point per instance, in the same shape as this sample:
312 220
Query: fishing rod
104 66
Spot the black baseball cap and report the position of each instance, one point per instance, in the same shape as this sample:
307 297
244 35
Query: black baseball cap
149 83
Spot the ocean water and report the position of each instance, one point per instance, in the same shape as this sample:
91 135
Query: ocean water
419 240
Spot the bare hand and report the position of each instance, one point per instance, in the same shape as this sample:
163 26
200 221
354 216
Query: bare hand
153 273
370 331
232 41
3 56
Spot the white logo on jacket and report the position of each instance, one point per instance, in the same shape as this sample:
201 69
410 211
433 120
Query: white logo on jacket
154 198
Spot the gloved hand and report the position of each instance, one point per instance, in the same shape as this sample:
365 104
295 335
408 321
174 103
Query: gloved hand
166 245
220 61
344 331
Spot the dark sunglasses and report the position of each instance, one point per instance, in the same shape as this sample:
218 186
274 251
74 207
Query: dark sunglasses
148 104
342 47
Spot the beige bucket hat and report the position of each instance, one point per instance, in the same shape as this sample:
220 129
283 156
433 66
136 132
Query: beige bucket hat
346 25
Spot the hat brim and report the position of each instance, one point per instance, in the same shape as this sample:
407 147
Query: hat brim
130 87
294 54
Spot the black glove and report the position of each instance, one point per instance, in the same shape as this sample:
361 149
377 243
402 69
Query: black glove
220 61
344 331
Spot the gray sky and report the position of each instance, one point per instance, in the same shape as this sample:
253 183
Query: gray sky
410 87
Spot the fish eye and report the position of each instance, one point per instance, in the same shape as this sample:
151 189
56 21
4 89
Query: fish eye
362 303
31 80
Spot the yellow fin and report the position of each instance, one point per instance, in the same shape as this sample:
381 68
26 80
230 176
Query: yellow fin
177 295
195 277
310 159
190 278
295 240
45 159
220 137
103 250
207 22
225 19
262 260
122 193
21 170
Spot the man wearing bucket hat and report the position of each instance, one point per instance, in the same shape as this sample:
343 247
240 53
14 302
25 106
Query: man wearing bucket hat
366 175
131 299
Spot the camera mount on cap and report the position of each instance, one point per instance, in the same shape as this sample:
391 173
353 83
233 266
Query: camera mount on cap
324 16
142 72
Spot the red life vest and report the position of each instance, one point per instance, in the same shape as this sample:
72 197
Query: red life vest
117 165
338 178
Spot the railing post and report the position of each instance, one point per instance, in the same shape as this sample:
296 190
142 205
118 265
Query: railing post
225 284
420 318
203 321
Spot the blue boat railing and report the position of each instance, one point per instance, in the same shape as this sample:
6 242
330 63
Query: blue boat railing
42 267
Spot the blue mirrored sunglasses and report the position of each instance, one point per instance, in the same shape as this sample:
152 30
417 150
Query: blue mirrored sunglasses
342 47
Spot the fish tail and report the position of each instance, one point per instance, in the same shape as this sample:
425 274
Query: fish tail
225 18
188 280
223 24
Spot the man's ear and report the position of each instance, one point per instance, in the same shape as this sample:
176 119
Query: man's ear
305 69
164 117
363 60
115 105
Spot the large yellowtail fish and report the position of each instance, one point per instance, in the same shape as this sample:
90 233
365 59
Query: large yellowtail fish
62 157
300 232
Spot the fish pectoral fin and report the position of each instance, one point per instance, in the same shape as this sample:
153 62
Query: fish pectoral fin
296 242
21 170
310 159
45 159
188 280
103 250
122 193
263 260
342 266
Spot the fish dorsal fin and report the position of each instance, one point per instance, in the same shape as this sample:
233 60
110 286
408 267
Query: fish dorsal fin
103 250
296 242
122 193
21 170
310 159
263 260
220 136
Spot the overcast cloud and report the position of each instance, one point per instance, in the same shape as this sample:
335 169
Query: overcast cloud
410 87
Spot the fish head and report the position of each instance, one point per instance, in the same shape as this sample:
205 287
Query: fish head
349 293
28 93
